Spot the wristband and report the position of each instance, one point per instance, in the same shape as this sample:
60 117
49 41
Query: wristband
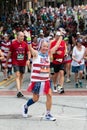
28 39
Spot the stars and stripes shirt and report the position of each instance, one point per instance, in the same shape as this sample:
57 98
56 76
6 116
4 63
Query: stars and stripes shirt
40 68
5 47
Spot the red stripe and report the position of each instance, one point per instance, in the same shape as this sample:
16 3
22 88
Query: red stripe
47 87
36 71
30 87
68 61
39 78
39 65
5 46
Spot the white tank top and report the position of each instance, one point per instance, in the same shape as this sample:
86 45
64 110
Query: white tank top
40 68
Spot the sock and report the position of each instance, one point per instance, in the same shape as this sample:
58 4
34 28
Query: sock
30 102
48 112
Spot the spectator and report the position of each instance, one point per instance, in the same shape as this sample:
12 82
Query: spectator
78 62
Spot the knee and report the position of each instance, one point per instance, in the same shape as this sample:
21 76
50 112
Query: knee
81 72
35 98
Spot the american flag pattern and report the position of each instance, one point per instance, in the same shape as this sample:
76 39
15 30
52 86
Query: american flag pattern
5 46
38 63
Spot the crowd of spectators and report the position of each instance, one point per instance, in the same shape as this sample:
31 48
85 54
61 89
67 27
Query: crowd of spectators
44 22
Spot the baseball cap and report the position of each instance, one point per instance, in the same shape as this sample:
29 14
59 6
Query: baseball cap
5 35
58 33
50 37
79 40
62 31
78 33
41 32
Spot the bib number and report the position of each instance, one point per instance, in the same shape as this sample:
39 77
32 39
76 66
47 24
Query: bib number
44 70
20 57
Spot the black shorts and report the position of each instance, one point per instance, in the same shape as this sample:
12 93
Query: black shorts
20 69
56 67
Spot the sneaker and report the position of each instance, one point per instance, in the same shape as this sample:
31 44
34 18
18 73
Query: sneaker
55 89
25 111
68 80
76 85
49 117
60 89
9 76
5 79
80 84
19 94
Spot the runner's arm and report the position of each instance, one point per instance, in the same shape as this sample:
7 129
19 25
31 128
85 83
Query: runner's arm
1 55
53 50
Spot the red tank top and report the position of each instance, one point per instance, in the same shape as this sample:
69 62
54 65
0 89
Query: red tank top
60 52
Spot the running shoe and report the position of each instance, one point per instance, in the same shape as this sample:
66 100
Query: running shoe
25 111
60 89
55 89
80 84
49 117
68 80
76 85
19 95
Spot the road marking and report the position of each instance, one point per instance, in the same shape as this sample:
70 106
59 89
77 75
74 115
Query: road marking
7 82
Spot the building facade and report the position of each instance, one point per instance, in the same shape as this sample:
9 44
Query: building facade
8 5
53 3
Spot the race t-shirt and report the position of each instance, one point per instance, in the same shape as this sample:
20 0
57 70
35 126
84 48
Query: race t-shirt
19 53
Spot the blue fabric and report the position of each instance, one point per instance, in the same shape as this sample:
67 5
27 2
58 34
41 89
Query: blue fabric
36 88
76 69
43 55
30 102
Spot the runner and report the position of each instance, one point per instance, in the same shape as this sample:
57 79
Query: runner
40 80
1 55
19 51
57 63
78 62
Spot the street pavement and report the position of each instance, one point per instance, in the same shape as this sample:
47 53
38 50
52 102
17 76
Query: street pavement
69 109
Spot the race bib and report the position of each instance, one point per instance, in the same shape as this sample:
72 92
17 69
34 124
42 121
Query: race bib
59 60
20 57
44 69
